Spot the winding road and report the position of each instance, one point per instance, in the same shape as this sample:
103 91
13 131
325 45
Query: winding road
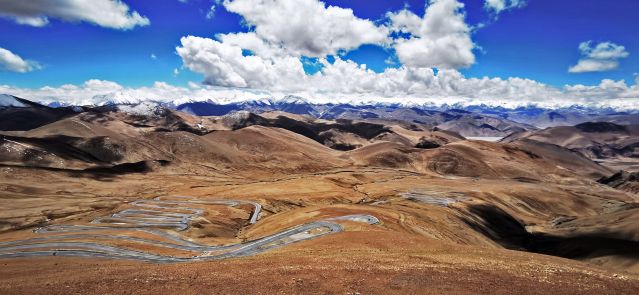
162 218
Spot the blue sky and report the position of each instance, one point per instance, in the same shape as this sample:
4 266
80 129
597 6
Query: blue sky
540 41
537 40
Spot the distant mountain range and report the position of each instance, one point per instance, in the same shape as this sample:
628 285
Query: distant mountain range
477 120
570 116
523 117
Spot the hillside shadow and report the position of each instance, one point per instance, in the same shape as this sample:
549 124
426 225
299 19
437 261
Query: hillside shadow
505 230
101 173
91 150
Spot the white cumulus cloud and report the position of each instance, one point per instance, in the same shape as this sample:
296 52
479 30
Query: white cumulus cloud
440 39
601 57
12 62
594 65
224 64
307 27
113 14
603 50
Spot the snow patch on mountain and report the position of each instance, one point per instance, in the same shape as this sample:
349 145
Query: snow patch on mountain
146 108
10 101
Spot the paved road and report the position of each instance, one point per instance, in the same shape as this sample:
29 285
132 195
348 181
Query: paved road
154 217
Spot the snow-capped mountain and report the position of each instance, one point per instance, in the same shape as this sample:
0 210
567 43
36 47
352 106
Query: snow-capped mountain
10 101
522 117
543 118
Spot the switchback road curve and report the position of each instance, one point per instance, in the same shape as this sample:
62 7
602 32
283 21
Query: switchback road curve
161 219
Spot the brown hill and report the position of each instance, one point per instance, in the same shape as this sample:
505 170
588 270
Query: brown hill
611 144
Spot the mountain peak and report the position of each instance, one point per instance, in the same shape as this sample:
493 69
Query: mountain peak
292 99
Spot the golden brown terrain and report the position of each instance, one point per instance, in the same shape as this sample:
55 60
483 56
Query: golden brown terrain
455 216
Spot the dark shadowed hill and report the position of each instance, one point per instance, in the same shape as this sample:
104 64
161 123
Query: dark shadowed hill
463 122
18 114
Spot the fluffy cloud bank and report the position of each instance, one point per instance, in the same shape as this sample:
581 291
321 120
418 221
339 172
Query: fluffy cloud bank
348 82
599 58
440 39
100 92
113 14
12 62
